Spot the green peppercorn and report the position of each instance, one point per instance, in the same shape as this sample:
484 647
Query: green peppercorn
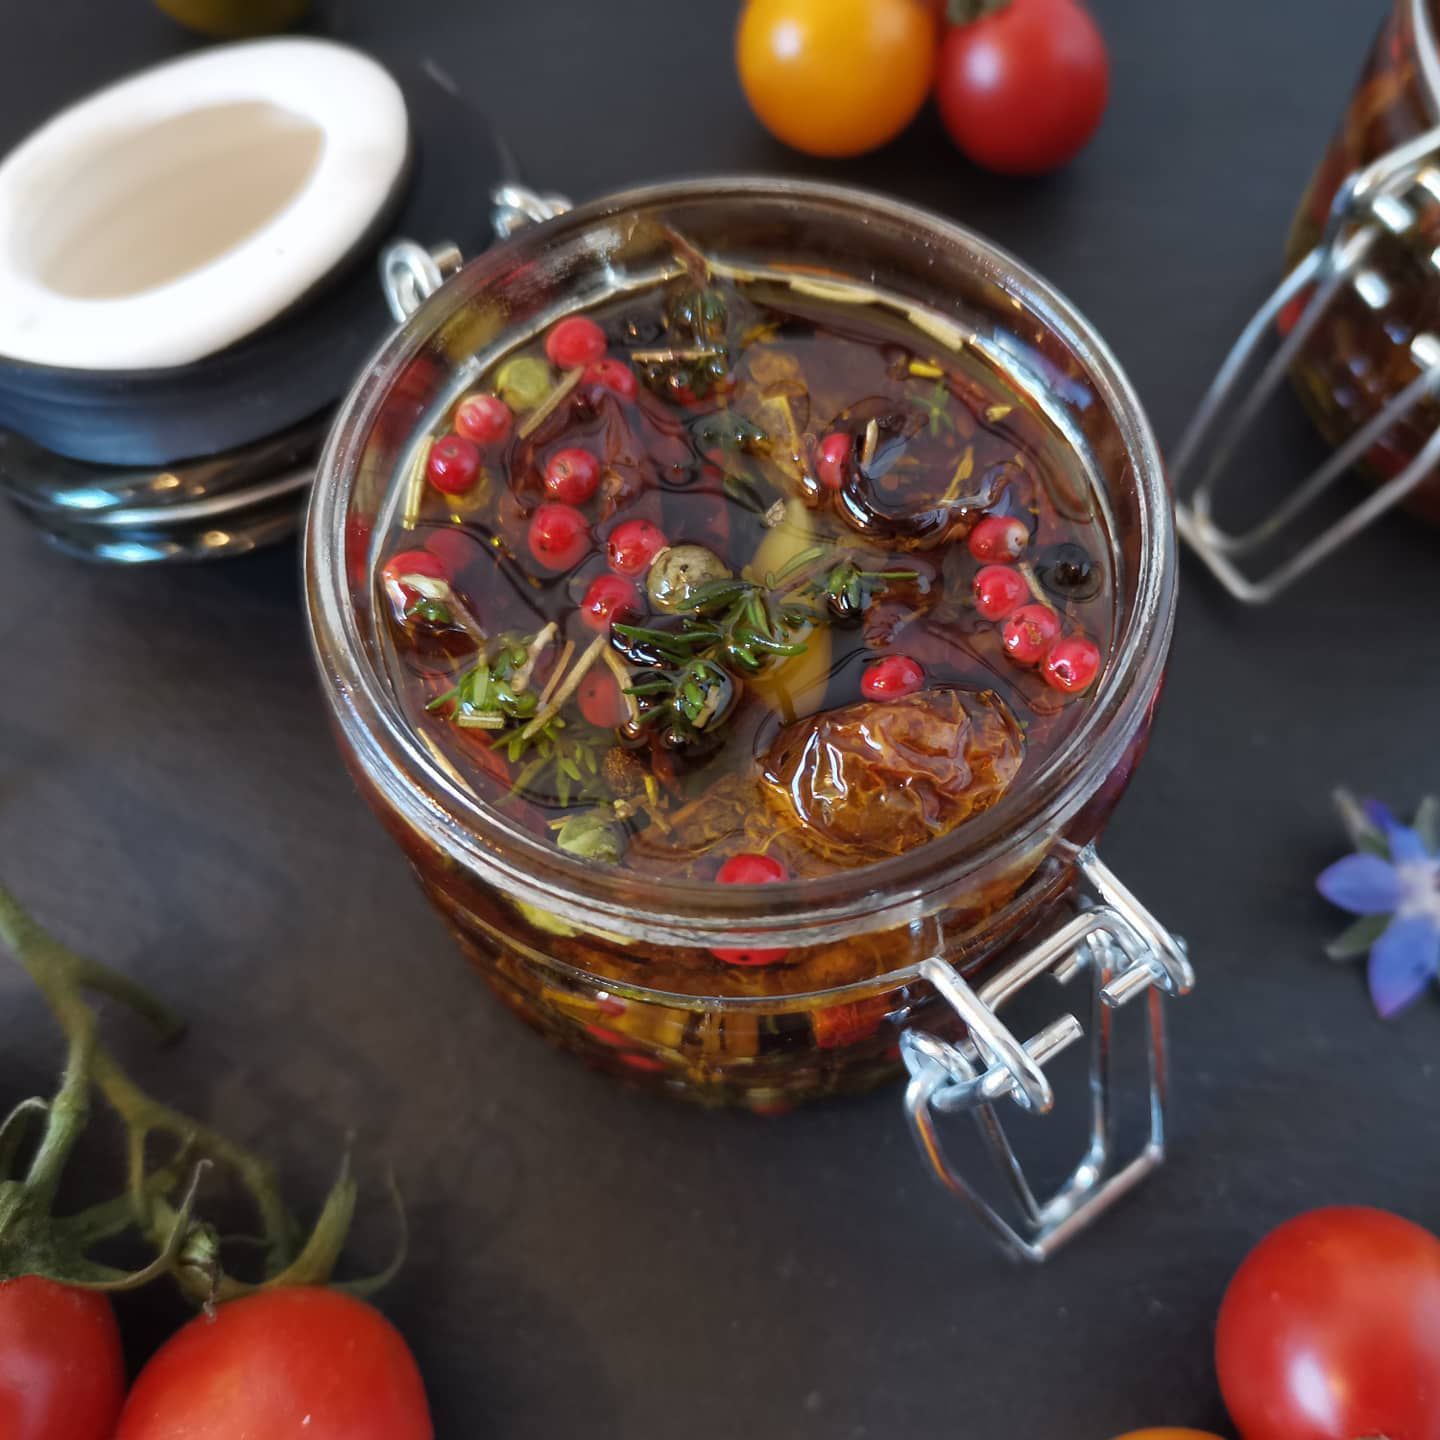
701 312
524 382
589 837
678 571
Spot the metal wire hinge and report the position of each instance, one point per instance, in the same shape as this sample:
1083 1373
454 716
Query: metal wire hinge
1390 196
1127 954
514 206
410 273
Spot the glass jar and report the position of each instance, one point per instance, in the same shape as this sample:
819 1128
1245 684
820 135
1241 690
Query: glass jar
1362 353
594 957
1355 324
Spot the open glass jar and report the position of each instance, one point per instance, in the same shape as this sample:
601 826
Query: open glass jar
1358 320
619 970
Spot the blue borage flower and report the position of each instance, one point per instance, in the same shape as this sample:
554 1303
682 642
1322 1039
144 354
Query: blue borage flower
1392 883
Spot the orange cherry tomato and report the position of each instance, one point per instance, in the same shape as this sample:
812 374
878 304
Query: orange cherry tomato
836 77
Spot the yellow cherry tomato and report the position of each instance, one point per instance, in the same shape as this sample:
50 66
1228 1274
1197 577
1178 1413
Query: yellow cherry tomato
1169 1435
836 77
235 18
795 687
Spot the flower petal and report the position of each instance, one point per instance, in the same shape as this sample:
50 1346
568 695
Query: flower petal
1406 844
1361 884
1402 963
1378 813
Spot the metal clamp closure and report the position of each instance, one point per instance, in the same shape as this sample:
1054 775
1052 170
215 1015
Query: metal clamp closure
1127 954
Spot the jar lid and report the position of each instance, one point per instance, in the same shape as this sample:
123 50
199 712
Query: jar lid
173 247
173 214
215 350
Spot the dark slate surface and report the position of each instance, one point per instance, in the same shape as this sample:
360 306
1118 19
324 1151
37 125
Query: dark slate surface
588 1260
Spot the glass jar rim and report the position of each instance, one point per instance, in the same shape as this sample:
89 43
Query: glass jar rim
695 912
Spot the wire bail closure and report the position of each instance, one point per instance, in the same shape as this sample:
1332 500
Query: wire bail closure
1389 196
1127 953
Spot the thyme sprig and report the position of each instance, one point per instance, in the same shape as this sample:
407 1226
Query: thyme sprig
567 761
495 694
495 691
737 622
935 402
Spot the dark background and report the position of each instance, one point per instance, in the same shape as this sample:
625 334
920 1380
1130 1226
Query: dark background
589 1261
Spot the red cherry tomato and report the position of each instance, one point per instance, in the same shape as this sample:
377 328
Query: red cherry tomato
834 457
750 869
999 538
559 537
609 598
999 590
612 375
1330 1330
1022 89
892 678
1029 633
600 700
633 544
574 342
62 1376
454 463
572 475
306 1362
1072 664
485 419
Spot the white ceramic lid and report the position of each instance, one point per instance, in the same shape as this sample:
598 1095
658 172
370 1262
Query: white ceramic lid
172 214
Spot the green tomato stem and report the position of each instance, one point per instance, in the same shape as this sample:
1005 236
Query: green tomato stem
62 976
13 1131
967 12
68 1113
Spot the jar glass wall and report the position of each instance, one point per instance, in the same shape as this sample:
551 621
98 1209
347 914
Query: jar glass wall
600 959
